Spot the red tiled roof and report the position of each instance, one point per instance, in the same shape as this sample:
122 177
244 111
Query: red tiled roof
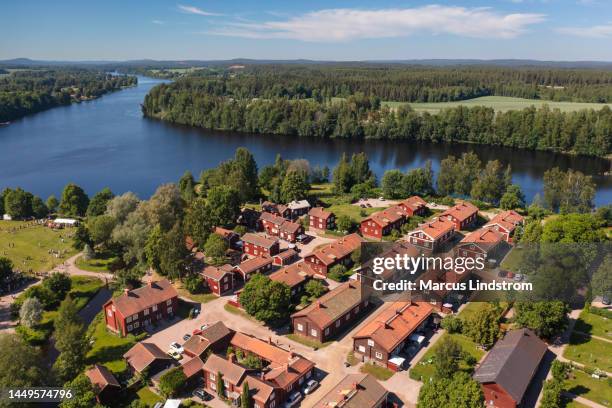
263 349
290 227
483 236
293 275
217 272
231 372
435 228
198 343
414 203
253 264
333 305
394 324
338 249
320 212
387 216
288 253
193 366
354 391
273 218
507 219
461 211
260 391
101 377
143 355
258 240
144 297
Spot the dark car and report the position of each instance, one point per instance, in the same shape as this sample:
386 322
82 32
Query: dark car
502 274
187 337
203 395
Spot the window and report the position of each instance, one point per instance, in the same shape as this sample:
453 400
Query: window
129 327
414 240
146 312
272 404
135 317
169 302
213 386
379 355
226 384
169 310
154 308
212 376
361 349
313 332
348 316
327 331
371 343
300 327
136 325
338 323
357 310
110 312
128 319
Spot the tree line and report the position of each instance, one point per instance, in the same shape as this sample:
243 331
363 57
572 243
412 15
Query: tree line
30 91
359 116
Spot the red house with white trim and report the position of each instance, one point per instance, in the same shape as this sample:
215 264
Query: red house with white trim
506 222
220 280
382 222
338 252
256 245
414 205
321 219
432 234
462 215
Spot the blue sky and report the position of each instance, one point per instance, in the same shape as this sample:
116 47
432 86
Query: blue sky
289 29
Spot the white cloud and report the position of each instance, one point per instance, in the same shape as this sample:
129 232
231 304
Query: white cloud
598 31
196 10
349 24
158 22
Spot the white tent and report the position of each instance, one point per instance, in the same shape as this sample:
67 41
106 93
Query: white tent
172 403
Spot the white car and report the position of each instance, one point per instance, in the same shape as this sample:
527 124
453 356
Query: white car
172 353
311 385
293 400
176 347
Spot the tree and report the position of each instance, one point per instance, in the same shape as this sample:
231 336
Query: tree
295 186
59 283
446 358
215 248
512 198
337 272
392 184
360 168
483 326
314 288
172 382
460 391
220 385
52 203
418 181
568 191
452 324
88 253
193 283
552 393
344 223
18 203
173 253
97 205
245 397
81 237
546 318
73 345
84 395
6 271
560 370
601 282
67 313
446 176
101 229
39 208
21 365
266 300
491 183
132 236
573 228
74 201
186 186
343 176
121 206
247 171
198 221
165 207
30 312
223 206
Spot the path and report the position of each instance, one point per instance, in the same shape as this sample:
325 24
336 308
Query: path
592 336
583 401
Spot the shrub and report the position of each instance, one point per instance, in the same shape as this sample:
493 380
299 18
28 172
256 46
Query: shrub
193 284
337 273
172 382
452 324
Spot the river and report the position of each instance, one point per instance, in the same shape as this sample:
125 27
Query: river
107 142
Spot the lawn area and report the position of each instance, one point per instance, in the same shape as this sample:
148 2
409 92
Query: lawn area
499 103
567 403
512 260
99 264
424 369
353 211
381 373
32 243
583 385
239 312
592 352
594 324
108 348
308 342
149 397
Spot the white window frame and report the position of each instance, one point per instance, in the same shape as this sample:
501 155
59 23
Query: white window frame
300 327
361 349
313 332
370 342
379 355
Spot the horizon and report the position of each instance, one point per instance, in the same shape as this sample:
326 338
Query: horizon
342 30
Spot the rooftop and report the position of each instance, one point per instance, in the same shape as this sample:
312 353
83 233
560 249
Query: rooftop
354 391
435 228
101 377
143 354
258 240
461 211
231 372
136 300
329 254
320 212
253 264
293 275
217 272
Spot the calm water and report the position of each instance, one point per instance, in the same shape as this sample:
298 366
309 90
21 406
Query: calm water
107 142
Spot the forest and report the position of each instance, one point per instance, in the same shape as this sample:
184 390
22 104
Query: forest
247 103
24 92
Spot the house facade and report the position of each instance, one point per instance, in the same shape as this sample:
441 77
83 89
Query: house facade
506 223
338 252
433 234
278 226
285 257
252 266
136 309
320 219
257 245
219 279
414 205
295 276
462 215
483 243
383 222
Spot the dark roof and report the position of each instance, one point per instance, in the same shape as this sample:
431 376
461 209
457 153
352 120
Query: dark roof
143 355
513 362
258 240
354 391
144 297
199 343
101 377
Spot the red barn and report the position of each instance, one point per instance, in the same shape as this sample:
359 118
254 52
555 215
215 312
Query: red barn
338 252
220 280
462 215
138 308
320 219
257 245
286 257
508 369
432 234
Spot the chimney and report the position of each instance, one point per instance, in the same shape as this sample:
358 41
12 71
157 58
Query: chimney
150 283
231 358
356 385
126 291
270 340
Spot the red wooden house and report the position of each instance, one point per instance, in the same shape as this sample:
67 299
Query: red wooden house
286 257
338 252
320 219
432 234
482 243
252 266
383 222
220 280
279 227
414 205
256 245
462 215
506 222
138 308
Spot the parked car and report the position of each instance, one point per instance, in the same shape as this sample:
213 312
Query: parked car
202 327
186 337
293 400
196 312
381 198
502 274
605 300
174 354
518 277
311 385
203 395
177 347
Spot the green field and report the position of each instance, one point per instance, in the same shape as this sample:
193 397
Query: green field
99 264
594 325
499 103
32 244
583 385
591 352
108 348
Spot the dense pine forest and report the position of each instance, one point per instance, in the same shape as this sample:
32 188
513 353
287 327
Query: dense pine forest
23 92
338 102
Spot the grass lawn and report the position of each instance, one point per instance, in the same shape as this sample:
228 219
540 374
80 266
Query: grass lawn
425 369
512 261
32 245
381 373
499 103
589 351
351 359
594 324
583 385
108 348
239 312
567 403
147 396
99 264
308 342
353 211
